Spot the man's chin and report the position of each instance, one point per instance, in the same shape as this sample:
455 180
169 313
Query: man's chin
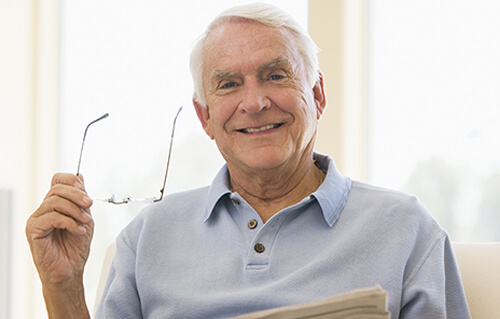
265 161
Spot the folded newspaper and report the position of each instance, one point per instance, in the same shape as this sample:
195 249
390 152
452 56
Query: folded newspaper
366 303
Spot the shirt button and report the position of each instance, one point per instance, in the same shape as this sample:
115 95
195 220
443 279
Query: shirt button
252 224
235 202
259 248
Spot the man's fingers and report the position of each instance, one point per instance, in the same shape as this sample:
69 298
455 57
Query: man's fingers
69 179
40 227
70 193
64 207
64 178
80 176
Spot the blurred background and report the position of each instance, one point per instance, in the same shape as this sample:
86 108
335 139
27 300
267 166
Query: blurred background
413 104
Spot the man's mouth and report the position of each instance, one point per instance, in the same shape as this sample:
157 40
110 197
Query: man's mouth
259 129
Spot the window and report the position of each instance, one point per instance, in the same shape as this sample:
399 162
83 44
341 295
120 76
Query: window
433 100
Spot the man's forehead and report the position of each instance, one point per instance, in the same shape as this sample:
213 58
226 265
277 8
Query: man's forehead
240 37
234 46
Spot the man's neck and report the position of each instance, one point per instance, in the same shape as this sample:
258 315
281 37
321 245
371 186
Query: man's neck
270 191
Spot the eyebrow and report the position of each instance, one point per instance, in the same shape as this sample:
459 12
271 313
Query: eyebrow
279 62
218 74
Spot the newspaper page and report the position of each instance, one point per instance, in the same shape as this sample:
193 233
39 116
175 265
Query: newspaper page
365 303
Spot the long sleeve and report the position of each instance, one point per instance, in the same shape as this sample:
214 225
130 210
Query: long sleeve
120 298
434 290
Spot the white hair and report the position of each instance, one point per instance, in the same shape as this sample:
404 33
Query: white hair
263 13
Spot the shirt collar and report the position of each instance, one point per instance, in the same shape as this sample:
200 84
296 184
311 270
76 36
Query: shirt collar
331 195
218 189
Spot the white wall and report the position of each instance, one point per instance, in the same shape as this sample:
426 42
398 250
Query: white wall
339 29
16 131
28 41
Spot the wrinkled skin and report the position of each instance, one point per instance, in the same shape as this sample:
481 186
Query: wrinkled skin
59 233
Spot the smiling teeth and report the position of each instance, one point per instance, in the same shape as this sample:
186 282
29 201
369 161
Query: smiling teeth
260 129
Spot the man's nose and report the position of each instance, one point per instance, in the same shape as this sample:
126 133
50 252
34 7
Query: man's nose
254 98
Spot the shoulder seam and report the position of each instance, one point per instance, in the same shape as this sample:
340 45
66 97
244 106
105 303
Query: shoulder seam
441 237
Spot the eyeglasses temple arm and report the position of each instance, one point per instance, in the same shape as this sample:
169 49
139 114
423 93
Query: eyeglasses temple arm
83 142
169 153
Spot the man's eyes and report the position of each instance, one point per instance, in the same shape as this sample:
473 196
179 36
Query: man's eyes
276 77
228 85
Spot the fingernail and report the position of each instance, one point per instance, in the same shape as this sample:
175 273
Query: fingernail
79 185
87 216
82 229
87 200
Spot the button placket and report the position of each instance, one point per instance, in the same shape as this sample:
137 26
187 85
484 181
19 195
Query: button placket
260 236
262 244
246 217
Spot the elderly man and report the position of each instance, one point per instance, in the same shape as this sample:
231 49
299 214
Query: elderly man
279 224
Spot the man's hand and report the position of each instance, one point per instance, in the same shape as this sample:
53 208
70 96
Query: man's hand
59 233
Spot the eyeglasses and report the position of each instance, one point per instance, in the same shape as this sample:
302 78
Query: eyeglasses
128 199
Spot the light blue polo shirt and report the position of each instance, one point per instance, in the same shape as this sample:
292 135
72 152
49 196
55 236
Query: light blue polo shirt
206 253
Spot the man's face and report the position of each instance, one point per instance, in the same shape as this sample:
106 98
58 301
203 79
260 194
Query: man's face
261 112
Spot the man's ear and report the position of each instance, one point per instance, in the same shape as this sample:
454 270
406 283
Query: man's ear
320 95
204 117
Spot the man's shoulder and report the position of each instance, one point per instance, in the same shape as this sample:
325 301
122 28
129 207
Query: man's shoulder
392 206
382 195
398 217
